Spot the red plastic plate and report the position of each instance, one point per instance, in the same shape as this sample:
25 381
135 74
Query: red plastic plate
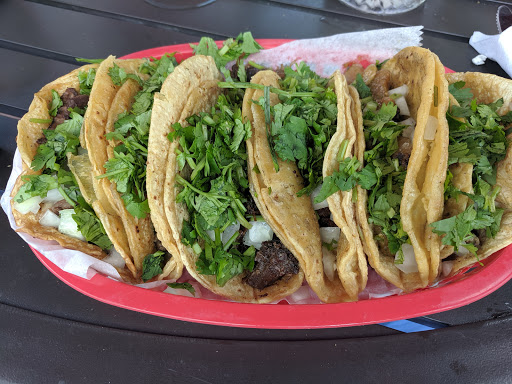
462 289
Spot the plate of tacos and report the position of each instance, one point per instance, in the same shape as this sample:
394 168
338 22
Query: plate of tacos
379 193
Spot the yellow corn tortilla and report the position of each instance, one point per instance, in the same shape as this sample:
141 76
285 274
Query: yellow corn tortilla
28 134
422 198
139 232
94 130
486 88
184 88
351 262
190 89
292 218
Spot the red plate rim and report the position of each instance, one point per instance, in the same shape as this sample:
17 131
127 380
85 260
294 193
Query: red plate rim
462 290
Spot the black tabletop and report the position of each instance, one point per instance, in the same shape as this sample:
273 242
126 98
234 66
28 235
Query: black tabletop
51 333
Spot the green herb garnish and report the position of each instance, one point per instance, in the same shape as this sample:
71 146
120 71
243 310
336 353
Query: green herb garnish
152 265
212 148
128 167
186 286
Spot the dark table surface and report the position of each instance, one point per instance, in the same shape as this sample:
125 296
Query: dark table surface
52 334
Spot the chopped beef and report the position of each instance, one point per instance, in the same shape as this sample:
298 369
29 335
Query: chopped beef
404 151
159 247
272 262
380 86
352 72
324 217
250 71
252 209
59 206
70 99
41 140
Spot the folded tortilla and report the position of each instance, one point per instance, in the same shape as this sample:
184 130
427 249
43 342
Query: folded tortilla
192 88
28 134
133 238
293 218
351 264
486 88
422 196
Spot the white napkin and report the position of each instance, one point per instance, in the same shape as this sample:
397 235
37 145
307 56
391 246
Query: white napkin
495 47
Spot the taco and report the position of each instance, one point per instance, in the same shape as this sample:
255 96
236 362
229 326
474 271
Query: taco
294 118
402 141
201 190
53 198
118 142
477 218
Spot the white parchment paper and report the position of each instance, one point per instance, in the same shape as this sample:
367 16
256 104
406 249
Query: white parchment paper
325 55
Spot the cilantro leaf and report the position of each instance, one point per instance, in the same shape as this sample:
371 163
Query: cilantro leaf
231 50
119 75
86 80
186 286
461 94
35 185
90 226
56 103
152 265
361 87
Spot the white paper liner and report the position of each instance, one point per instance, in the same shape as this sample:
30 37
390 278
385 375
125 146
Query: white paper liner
325 55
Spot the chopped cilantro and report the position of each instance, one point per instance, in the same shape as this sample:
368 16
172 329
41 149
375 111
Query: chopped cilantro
35 185
231 50
152 265
128 167
86 79
361 87
480 139
186 286
55 105
119 75
212 146
90 226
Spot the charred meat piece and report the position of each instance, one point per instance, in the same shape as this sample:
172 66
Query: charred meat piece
380 87
59 206
70 99
352 71
324 217
252 209
250 71
272 262
404 151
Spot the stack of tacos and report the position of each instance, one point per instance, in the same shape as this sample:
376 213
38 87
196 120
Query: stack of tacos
280 177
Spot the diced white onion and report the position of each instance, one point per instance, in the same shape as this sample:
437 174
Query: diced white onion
430 128
446 267
49 219
329 261
328 234
259 233
53 196
409 131
409 265
462 251
402 90
229 231
211 233
29 205
401 103
115 259
68 226
314 194
226 235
